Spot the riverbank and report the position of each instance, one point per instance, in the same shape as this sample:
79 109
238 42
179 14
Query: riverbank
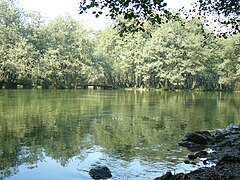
218 150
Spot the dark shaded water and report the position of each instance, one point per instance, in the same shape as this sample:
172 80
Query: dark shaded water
46 134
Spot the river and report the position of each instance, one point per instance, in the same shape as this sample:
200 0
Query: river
61 134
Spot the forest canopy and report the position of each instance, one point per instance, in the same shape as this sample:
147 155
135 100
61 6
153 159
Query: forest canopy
61 53
224 13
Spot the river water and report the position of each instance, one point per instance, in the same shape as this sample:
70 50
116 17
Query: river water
61 134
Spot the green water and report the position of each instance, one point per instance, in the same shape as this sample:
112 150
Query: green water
47 134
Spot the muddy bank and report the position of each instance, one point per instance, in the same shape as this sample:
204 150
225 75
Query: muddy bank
218 149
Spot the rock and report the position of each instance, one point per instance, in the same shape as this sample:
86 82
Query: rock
187 162
229 130
196 140
205 133
228 159
170 176
201 154
192 157
100 172
233 127
166 176
224 153
205 162
196 148
196 137
187 144
224 143
218 137
220 132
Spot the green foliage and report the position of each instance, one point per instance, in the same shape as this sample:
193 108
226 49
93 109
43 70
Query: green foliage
173 57
156 12
225 12
59 54
16 54
229 68
62 54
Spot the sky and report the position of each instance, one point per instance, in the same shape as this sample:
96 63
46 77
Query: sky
54 8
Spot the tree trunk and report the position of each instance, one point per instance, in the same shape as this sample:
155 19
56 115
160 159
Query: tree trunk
193 83
220 86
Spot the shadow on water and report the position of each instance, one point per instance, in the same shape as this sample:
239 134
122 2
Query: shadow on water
48 134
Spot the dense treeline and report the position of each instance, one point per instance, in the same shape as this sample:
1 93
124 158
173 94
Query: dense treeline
62 54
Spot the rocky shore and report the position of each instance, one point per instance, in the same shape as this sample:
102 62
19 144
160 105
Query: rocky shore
219 149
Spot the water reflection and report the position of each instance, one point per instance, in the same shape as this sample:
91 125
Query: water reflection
60 134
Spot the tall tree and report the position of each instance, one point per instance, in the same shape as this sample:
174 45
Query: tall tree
16 55
174 56
229 67
68 59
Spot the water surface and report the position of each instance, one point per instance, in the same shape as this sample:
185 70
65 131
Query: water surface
49 134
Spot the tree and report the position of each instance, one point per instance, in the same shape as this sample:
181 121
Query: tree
33 29
16 55
64 56
68 60
229 67
173 57
156 12
225 12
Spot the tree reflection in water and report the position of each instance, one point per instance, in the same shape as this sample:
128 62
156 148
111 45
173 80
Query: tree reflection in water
132 131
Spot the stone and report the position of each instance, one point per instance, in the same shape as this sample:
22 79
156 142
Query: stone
166 176
227 160
187 162
201 154
224 153
218 137
192 157
170 176
195 137
233 127
205 133
224 143
100 172
187 144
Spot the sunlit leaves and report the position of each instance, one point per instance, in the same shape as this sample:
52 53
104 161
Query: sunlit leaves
173 57
225 13
131 10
